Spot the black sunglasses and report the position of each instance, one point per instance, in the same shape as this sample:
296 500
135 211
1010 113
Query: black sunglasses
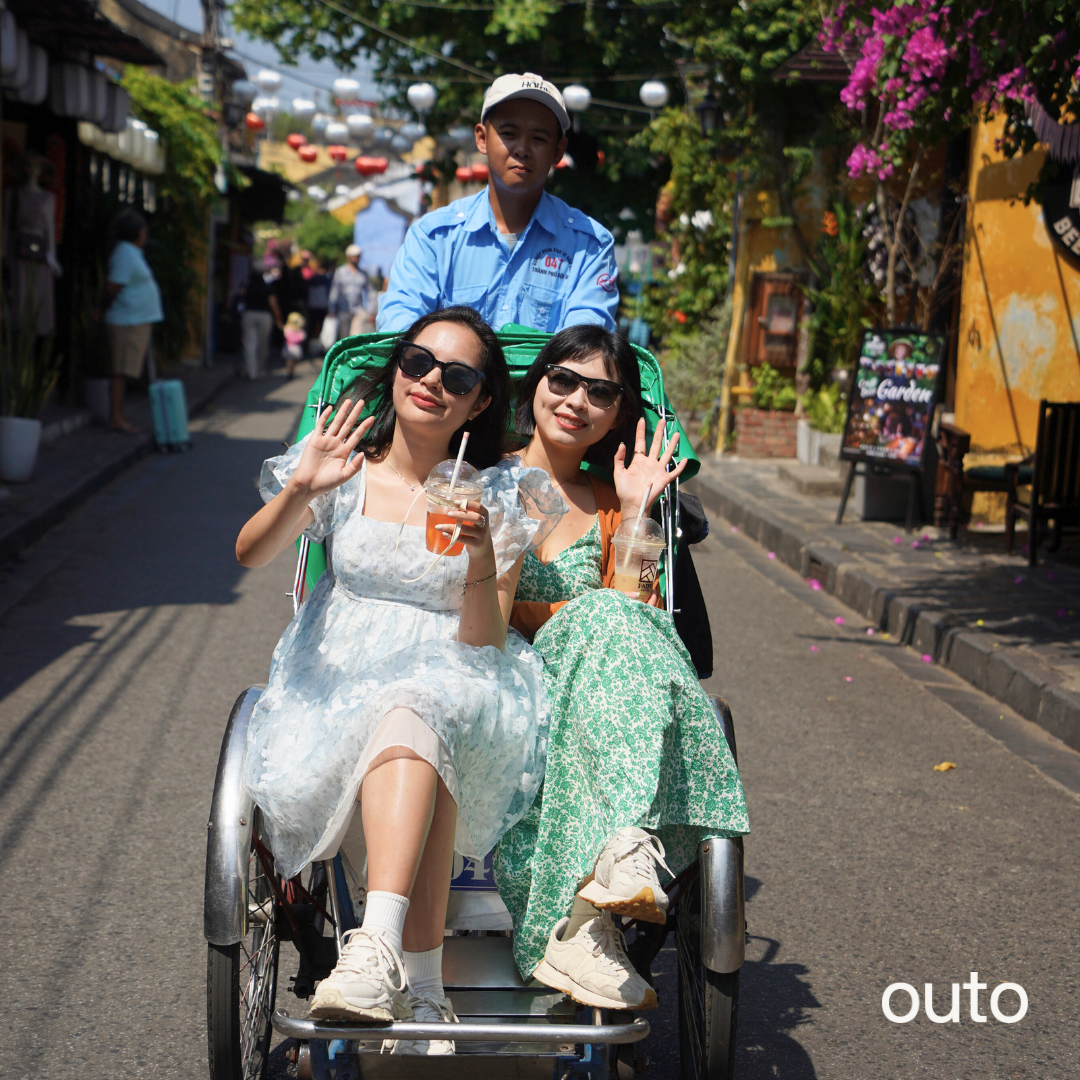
603 393
457 378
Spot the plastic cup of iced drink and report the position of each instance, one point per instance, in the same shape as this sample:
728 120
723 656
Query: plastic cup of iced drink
440 503
638 547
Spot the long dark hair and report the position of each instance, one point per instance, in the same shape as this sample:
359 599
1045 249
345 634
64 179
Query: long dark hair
582 343
487 431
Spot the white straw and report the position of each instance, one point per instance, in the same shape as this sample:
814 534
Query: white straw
457 464
637 525
641 509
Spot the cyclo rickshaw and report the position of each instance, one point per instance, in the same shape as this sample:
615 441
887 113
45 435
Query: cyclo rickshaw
507 1026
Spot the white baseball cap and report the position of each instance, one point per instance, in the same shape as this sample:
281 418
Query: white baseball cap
351 250
533 87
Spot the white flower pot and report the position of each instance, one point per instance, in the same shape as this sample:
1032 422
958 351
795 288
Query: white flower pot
804 442
19 442
96 395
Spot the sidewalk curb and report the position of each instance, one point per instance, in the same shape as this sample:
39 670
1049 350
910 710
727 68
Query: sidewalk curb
1022 682
27 532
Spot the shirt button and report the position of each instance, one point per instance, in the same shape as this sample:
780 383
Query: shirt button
461 215
506 307
570 220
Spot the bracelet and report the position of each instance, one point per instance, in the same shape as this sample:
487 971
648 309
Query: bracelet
479 581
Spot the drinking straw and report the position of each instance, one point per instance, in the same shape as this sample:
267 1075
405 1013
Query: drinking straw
457 464
637 524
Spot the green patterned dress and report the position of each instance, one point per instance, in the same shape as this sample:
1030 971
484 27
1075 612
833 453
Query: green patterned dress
633 741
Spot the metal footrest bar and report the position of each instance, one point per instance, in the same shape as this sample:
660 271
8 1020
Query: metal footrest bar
463 1032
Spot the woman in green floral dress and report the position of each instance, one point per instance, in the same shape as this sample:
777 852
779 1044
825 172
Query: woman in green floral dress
637 765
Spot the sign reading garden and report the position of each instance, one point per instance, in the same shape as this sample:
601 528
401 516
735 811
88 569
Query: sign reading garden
893 394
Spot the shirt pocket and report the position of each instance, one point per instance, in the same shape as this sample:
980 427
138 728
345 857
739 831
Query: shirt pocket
467 296
542 308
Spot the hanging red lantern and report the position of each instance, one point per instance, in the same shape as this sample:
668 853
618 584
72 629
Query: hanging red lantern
479 172
367 166
254 122
295 140
463 174
337 153
381 164
308 153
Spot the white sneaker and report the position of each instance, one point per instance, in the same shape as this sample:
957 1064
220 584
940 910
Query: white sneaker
625 880
593 968
367 983
428 1007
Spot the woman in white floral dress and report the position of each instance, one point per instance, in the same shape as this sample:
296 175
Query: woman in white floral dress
636 760
397 682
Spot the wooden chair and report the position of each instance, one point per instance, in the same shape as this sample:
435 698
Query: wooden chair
1054 492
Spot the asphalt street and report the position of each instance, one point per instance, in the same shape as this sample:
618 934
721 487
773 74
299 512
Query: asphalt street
130 629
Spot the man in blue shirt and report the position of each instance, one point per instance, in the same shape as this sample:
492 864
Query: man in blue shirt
513 252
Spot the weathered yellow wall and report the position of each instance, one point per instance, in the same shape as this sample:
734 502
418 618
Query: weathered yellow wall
1020 306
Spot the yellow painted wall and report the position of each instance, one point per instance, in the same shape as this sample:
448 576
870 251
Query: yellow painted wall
1020 306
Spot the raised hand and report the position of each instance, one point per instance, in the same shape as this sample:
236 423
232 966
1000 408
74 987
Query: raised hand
325 463
645 469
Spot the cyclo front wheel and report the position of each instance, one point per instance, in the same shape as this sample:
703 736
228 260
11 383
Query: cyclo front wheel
241 987
708 1002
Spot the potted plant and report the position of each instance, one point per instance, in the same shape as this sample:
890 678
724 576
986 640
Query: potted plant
821 427
28 374
766 427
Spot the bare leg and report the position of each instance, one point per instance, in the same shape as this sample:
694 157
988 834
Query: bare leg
426 920
116 402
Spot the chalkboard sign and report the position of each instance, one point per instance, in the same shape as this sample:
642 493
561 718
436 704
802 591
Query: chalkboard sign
894 389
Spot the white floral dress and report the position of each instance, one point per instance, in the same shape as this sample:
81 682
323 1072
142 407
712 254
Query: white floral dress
368 642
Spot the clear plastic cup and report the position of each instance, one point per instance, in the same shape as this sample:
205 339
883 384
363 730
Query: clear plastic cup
637 557
439 503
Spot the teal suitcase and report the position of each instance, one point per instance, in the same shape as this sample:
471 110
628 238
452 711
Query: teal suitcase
168 409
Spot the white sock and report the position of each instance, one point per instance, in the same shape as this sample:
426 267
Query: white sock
425 971
580 914
385 913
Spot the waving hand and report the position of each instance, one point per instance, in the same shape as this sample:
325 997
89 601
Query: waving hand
632 481
325 464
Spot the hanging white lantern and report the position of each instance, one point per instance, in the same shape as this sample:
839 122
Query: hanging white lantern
303 108
654 94
9 44
36 88
346 88
269 82
462 136
155 155
360 125
99 97
317 193
17 74
336 132
342 190
319 124
413 130
421 97
401 144
244 91
384 136
265 107
119 105
576 98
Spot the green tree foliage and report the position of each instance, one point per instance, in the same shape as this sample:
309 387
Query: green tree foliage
611 48
323 235
179 231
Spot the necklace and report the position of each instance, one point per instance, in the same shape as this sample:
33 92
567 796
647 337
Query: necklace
411 487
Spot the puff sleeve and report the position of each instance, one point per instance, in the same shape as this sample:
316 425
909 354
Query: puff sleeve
523 507
330 510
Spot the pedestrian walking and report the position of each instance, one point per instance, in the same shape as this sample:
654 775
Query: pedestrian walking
318 297
132 306
350 293
261 312
513 252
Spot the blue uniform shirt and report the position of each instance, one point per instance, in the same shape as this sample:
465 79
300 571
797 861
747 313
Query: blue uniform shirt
561 272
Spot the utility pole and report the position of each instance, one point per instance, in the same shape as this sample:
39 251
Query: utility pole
212 93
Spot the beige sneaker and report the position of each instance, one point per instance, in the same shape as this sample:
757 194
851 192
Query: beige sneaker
367 983
625 880
593 968
428 1008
